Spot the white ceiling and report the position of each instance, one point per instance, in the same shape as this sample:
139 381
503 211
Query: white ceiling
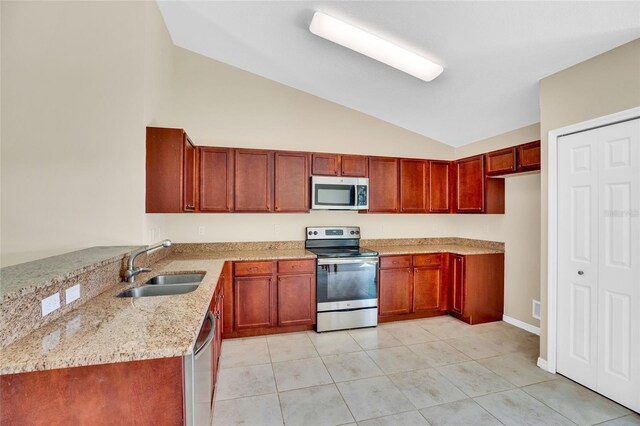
493 53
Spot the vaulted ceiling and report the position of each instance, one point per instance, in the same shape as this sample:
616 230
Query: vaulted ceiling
494 54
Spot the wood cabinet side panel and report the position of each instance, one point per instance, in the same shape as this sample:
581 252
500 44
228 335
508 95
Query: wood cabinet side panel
164 163
146 392
484 287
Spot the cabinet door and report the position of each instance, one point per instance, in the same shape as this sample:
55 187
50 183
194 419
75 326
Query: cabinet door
292 182
470 185
353 166
253 180
439 187
189 175
501 162
253 302
296 300
427 286
216 179
457 284
383 185
413 186
529 156
325 164
395 291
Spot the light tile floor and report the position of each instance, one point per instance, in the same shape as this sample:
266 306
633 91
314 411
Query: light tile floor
436 371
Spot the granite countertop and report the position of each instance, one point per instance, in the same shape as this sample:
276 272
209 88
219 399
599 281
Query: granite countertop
385 250
18 280
108 329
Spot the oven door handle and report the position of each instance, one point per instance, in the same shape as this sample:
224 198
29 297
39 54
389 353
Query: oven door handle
343 261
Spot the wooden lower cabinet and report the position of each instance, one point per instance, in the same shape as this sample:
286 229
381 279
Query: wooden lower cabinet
272 297
395 291
296 300
413 286
254 306
477 290
427 284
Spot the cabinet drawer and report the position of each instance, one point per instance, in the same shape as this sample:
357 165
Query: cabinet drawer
387 262
297 266
253 268
427 259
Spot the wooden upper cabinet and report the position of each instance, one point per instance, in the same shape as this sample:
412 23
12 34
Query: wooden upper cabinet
291 182
353 166
338 165
253 188
501 162
440 191
529 156
325 164
383 184
216 179
414 186
170 171
470 182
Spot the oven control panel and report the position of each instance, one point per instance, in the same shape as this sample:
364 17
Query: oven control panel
332 232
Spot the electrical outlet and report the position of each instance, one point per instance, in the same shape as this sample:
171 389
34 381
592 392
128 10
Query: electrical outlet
201 230
71 294
50 304
276 229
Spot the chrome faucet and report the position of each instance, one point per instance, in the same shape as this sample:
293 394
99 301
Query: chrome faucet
131 272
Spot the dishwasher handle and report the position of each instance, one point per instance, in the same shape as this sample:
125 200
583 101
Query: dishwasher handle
210 337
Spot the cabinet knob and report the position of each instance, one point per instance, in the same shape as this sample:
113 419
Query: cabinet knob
580 272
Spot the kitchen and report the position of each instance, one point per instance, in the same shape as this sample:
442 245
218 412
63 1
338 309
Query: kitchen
85 166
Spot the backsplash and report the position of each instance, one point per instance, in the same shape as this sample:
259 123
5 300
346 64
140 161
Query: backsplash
25 285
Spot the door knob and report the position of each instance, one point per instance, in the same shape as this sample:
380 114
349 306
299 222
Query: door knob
580 272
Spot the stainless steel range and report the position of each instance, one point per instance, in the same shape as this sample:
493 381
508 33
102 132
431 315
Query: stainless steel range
346 279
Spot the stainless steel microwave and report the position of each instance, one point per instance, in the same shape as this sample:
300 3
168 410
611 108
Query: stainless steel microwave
339 193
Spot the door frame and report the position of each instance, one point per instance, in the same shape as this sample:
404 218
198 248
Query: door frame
552 222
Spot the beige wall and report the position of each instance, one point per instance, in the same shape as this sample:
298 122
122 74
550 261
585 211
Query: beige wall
75 100
603 85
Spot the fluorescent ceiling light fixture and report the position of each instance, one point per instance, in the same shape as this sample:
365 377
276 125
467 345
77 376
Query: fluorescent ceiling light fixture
374 47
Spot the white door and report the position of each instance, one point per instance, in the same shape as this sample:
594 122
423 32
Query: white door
619 263
599 260
577 257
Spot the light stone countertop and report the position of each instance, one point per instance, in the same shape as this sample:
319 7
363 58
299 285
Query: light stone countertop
24 278
108 329
385 250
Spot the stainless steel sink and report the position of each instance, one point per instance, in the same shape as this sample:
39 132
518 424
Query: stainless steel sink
158 290
176 279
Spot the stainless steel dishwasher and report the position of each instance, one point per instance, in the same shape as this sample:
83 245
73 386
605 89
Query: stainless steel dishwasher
198 376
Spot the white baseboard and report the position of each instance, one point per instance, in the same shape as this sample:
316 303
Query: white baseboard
521 324
542 363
